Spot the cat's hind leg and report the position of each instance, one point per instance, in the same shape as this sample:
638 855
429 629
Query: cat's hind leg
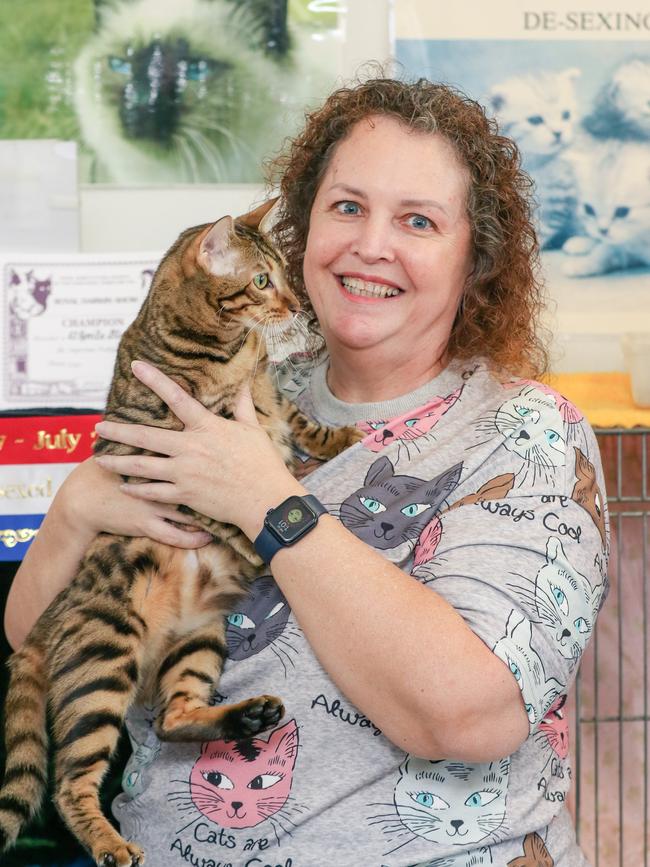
94 676
187 678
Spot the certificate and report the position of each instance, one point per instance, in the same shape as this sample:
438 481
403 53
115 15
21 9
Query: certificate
63 319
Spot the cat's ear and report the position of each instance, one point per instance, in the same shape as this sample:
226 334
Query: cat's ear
215 255
262 218
379 471
554 550
284 742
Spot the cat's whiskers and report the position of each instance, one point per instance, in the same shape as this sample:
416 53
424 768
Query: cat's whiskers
187 158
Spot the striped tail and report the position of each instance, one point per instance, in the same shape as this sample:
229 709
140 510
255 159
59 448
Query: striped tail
25 776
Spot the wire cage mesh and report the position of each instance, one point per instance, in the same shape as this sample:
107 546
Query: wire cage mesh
610 705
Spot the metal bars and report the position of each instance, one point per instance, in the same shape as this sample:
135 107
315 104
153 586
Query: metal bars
610 714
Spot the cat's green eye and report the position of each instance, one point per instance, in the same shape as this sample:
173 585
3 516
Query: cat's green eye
261 281
372 505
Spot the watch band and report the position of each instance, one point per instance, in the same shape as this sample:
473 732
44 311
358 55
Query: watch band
269 541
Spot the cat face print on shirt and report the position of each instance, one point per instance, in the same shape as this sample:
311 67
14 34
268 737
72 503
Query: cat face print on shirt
562 600
240 784
453 803
533 431
261 620
407 431
586 493
390 511
515 649
553 733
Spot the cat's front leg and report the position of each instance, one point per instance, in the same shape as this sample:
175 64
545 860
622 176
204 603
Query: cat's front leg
317 440
187 678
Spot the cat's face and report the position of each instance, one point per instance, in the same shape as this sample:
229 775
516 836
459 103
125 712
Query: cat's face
565 602
407 430
186 92
630 93
390 511
452 803
259 620
554 728
223 280
613 202
538 110
525 664
241 784
533 428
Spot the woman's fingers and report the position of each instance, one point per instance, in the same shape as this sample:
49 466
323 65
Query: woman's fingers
162 531
154 439
184 406
140 466
163 492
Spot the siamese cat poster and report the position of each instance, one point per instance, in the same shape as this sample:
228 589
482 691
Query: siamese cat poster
165 92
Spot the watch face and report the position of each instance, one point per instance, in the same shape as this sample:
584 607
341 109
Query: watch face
290 520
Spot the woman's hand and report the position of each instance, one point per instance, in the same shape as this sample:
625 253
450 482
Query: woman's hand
225 469
91 501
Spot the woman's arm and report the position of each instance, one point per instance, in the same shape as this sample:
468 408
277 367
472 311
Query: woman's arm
88 502
397 649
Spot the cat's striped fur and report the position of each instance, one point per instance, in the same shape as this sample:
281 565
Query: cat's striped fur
141 619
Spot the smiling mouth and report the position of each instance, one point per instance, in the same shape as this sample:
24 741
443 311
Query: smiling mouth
356 286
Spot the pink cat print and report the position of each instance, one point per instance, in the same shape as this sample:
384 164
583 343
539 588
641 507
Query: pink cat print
407 428
239 784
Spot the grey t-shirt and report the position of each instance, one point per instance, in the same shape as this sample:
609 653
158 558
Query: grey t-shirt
491 493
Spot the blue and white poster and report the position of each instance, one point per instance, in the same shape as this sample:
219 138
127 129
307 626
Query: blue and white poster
572 88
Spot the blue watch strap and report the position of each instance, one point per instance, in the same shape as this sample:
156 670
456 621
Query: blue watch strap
268 543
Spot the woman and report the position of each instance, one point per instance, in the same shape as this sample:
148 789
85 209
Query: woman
437 624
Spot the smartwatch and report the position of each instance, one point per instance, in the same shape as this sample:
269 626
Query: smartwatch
287 523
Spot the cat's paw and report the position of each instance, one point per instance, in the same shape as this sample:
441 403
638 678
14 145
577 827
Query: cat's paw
253 716
580 266
124 855
578 245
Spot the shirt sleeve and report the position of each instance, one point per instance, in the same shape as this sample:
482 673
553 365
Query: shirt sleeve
527 571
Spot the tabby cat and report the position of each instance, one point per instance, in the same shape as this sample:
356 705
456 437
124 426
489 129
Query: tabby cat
142 620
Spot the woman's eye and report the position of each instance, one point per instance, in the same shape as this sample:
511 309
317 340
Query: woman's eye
347 207
261 281
417 221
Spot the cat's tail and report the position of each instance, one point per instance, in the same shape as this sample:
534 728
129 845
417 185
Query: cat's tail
25 775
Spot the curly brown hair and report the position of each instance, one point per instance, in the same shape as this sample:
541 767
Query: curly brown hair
498 317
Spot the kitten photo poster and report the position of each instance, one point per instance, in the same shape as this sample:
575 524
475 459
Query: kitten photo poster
571 84
162 91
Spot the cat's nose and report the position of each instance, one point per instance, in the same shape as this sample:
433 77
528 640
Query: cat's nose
565 633
387 434
237 805
456 823
386 527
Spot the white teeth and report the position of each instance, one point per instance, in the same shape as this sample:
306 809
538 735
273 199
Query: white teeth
355 286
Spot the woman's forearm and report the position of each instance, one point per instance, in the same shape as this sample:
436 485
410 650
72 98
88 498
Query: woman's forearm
49 565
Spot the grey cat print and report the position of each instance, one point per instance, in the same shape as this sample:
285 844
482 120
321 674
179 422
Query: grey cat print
478 857
390 511
261 621
450 803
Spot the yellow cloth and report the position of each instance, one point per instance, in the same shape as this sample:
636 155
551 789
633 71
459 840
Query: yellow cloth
604 398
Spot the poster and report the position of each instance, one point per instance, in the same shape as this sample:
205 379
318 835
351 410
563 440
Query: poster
571 85
62 319
166 91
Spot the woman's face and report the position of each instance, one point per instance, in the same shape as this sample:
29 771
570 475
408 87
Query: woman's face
389 245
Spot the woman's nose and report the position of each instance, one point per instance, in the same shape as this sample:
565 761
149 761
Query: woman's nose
373 240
